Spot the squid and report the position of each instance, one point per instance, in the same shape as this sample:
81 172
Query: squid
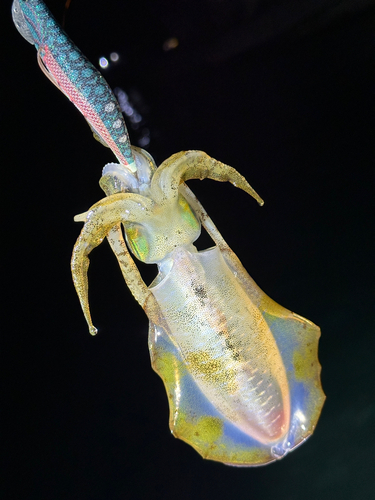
241 372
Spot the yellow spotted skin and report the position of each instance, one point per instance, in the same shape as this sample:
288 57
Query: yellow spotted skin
233 358
212 370
241 372
189 409
157 236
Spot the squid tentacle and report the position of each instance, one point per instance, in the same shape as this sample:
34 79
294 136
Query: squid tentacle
187 165
132 276
101 218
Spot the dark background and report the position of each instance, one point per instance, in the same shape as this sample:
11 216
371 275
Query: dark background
284 92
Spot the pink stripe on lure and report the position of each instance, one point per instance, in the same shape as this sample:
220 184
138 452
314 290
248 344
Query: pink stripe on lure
77 98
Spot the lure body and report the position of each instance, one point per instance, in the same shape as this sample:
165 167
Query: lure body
66 66
241 372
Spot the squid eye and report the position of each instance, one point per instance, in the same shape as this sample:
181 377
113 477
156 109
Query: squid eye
136 237
187 213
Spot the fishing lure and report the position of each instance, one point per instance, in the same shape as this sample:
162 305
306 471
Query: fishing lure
241 372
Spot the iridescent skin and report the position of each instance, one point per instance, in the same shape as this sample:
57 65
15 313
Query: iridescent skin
66 66
241 372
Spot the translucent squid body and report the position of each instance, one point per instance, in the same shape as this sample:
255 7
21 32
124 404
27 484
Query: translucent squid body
241 372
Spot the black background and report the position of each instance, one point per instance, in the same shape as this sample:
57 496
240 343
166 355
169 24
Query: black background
284 92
